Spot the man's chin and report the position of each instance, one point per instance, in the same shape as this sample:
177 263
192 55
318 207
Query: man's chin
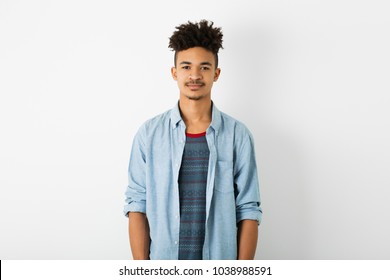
194 98
194 95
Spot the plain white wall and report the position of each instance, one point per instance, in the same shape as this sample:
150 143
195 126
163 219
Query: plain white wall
309 78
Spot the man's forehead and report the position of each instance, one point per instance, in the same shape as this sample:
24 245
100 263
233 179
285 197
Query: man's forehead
192 56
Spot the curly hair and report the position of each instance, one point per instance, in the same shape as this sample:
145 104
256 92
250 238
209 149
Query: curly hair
201 34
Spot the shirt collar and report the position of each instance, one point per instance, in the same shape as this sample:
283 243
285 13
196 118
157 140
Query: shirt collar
215 117
175 116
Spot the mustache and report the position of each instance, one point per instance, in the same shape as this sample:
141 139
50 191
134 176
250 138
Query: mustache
194 83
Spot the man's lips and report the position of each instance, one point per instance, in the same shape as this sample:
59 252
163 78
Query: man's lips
194 85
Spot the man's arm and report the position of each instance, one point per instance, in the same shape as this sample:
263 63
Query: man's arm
247 239
248 210
139 235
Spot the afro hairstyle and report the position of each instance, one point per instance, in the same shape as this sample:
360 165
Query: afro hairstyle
201 34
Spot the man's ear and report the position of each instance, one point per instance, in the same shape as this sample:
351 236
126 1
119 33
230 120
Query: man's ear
217 73
174 73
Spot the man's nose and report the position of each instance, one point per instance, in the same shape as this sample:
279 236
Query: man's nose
195 74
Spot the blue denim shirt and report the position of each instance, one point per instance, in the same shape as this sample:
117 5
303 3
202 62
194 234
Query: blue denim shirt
232 183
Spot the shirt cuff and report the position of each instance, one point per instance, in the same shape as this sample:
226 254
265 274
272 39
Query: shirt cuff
134 207
250 215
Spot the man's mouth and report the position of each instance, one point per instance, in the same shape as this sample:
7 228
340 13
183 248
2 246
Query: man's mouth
194 86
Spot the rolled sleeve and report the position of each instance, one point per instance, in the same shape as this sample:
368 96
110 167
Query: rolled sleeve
136 189
247 184
251 211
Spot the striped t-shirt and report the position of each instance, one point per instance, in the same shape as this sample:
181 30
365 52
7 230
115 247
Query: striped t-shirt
192 190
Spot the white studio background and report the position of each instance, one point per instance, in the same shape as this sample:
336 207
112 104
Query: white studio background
309 78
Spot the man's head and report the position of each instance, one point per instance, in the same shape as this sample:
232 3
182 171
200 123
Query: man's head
196 47
202 34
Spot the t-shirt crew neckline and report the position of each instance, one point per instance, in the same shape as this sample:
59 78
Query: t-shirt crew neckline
195 135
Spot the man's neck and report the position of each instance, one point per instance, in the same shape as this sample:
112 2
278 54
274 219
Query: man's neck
196 114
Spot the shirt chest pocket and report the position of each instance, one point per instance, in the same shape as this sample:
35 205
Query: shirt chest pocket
224 177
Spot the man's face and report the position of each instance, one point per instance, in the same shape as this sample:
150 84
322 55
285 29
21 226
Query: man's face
195 72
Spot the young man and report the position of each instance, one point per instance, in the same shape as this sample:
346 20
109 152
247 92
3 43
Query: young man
193 189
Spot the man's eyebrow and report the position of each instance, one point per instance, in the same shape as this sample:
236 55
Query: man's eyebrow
202 63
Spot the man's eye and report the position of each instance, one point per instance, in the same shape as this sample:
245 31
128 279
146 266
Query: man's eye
205 68
186 67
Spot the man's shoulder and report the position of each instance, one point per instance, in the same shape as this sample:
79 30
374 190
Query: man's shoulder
230 123
157 121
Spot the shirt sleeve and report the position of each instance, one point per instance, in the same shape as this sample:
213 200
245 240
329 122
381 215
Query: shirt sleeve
136 188
246 182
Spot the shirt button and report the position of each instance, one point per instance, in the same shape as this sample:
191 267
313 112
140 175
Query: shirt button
176 242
